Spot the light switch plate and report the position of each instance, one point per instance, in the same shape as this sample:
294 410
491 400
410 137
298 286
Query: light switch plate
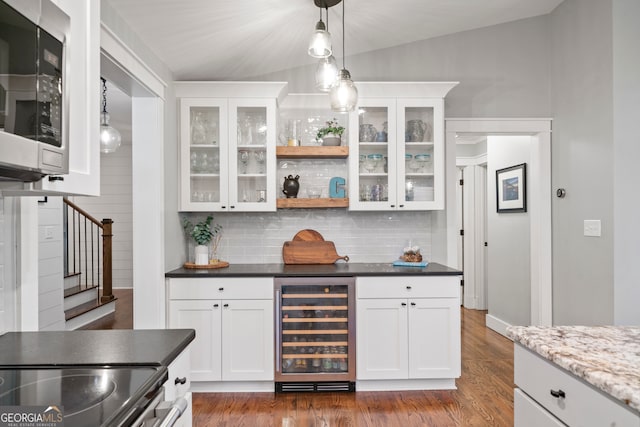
592 228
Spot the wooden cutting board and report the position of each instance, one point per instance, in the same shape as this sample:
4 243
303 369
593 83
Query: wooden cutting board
308 236
315 252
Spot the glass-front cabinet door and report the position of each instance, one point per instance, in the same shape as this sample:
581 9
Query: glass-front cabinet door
227 154
204 150
252 132
397 158
373 156
420 146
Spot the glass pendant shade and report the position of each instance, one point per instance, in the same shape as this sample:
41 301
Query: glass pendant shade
110 138
326 73
343 94
320 44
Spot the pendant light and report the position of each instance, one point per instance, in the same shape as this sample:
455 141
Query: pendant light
327 69
320 43
343 94
110 138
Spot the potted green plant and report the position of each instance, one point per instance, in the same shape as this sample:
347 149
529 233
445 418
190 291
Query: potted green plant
205 235
331 134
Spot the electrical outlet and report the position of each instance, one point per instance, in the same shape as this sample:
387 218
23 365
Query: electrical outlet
592 228
48 232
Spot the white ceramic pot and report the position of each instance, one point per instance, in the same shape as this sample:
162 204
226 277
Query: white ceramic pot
202 254
331 140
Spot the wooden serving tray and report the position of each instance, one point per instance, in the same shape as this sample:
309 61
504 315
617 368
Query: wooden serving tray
220 264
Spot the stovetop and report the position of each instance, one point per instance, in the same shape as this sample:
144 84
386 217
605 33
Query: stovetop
101 396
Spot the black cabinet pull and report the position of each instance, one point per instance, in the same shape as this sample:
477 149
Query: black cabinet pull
232 207
223 207
56 178
393 206
216 305
182 380
413 304
408 287
401 206
559 394
221 289
225 305
404 304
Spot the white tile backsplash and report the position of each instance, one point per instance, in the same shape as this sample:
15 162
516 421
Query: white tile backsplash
363 236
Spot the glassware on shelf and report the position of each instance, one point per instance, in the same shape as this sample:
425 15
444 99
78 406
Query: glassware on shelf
361 161
409 190
261 158
243 156
375 160
367 132
198 129
424 162
262 196
407 161
195 166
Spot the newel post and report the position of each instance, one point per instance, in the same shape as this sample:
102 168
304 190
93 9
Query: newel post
107 293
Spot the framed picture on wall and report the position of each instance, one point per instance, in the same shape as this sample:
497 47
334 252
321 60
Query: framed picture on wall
511 189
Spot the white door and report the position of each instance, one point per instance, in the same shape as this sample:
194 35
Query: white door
434 352
247 340
205 317
382 340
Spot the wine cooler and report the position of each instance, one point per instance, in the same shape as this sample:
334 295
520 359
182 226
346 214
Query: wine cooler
315 334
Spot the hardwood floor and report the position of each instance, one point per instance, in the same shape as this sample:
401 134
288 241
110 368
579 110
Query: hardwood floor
484 396
123 316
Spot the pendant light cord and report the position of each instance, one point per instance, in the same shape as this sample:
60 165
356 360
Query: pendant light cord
104 95
343 36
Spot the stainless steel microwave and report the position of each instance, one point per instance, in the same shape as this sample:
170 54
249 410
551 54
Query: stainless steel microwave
33 104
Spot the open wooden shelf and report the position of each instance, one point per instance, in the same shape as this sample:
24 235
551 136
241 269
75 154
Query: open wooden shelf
319 152
295 203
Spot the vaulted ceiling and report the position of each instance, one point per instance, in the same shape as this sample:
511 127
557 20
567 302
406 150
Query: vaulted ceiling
239 39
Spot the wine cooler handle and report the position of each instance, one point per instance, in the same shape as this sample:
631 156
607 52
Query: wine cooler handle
278 328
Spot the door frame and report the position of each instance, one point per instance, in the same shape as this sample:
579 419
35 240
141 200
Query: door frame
121 66
539 195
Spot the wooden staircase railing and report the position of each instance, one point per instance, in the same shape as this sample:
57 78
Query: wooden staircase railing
83 252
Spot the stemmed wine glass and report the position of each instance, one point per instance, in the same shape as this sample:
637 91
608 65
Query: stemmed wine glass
244 160
261 158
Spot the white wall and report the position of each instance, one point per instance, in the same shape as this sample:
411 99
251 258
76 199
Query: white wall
508 234
626 107
582 161
115 200
7 279
50 265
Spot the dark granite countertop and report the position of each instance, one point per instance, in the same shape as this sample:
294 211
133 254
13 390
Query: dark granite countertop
301 270
157 347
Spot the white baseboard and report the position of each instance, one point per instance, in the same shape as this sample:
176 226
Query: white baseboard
498 325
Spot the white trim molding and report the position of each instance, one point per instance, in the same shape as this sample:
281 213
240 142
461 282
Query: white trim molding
495 324
540 198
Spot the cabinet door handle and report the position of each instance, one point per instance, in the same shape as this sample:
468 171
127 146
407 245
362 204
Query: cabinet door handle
232 207
216 305
182 380
408 287
225 305
221 289
557 393
413 304
393 206
55 178
401 206
404 304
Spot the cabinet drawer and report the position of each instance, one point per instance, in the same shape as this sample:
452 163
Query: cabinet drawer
179 371
583 404
527 413
408 287
228 288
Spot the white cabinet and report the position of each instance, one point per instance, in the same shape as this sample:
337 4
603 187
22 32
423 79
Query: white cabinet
179 384
82 90
548 392
227 146
408 328
397 147
233 320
